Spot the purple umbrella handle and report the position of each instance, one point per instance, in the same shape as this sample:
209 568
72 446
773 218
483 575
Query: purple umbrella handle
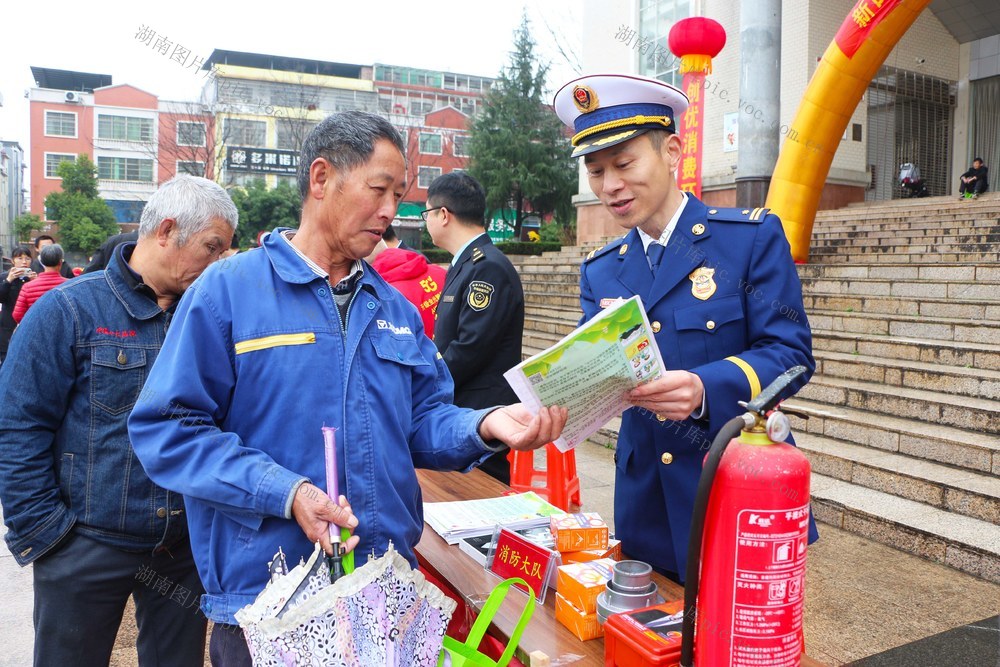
330 452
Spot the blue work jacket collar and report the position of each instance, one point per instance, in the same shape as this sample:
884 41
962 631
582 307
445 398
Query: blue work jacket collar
292 269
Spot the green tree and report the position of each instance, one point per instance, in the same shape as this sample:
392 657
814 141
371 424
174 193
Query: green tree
26 223
85 220
262 209
517 146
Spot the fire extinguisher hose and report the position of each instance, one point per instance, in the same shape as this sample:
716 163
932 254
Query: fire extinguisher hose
730 430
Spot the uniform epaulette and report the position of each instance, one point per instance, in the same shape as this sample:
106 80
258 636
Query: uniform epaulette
738 214
477 254
611 246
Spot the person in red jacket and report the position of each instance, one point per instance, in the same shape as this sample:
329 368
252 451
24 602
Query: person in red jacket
51 257
421 283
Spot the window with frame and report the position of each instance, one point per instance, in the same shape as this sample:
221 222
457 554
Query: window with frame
190 133
124 128
240 132
125 169
430 143
460 145
60 124
426 176
421 107
292 133
191 167
53 160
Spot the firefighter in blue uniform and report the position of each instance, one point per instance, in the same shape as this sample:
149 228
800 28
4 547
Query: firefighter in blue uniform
719 287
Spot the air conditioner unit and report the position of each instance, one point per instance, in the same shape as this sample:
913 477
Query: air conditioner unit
72 96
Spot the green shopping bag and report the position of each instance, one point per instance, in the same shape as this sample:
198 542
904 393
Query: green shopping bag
467 654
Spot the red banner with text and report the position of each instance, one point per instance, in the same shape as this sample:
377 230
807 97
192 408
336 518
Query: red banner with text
689 178
863 18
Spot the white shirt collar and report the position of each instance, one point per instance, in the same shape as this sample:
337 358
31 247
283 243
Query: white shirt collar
668 230
464 246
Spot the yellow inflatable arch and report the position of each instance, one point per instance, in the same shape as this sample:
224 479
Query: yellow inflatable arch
862 44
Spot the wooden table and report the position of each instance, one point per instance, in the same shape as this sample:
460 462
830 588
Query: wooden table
468 578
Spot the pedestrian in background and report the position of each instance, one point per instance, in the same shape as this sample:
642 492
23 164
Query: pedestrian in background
51 261
416 279
41 241
10 288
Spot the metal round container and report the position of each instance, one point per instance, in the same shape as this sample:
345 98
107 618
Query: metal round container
631 587
631 576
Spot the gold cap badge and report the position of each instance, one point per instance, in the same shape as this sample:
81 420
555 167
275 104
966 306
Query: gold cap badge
585 99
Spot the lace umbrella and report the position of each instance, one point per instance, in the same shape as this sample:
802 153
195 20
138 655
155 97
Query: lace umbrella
384 613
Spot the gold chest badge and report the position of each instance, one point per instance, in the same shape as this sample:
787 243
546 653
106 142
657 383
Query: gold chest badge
702 283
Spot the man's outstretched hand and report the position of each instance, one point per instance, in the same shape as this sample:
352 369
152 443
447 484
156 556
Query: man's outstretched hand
314 511
517 428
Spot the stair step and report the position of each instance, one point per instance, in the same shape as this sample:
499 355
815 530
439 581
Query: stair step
947 353
962 542
932 442
898 287
967 309
933 328
961 412
953 489
901 258
973 382
940 272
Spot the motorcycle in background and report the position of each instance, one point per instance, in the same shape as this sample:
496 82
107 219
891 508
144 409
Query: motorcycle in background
910 183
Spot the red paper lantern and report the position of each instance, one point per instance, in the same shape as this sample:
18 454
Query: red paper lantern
696 41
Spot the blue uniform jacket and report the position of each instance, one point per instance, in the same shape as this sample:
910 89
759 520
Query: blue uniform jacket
737 340
254 365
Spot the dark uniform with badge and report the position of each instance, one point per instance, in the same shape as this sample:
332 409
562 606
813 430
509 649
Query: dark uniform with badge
480 323
725 303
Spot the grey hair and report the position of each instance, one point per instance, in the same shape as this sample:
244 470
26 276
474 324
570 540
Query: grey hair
51 255
346 140
194 202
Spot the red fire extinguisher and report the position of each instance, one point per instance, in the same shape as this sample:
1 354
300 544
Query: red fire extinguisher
752 507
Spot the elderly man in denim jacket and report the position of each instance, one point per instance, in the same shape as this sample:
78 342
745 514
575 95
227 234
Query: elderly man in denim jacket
272 345
76 500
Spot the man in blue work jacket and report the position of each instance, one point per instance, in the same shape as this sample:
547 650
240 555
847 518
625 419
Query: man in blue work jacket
719 287
273 344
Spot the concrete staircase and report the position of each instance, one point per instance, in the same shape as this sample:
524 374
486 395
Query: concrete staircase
904 432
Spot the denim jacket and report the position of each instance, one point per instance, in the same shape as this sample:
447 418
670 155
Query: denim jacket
74 370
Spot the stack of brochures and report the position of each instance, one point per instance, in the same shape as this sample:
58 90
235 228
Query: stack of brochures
464 518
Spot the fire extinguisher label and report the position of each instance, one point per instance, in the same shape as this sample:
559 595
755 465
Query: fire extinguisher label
768 600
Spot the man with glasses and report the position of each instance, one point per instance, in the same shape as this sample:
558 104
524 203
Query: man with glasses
480 317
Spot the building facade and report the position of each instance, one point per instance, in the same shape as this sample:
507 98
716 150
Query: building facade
935 102
249 124
12 191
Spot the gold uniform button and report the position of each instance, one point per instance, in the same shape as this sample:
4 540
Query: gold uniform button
712 211
162 512
746 211
661 418
623 249
667 458
655 326
710 325
698 229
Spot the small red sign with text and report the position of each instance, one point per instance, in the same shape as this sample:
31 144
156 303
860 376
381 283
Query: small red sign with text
514 556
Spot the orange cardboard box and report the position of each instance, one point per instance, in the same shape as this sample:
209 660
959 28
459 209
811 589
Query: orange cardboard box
584 626
577 532
581 583
614 552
